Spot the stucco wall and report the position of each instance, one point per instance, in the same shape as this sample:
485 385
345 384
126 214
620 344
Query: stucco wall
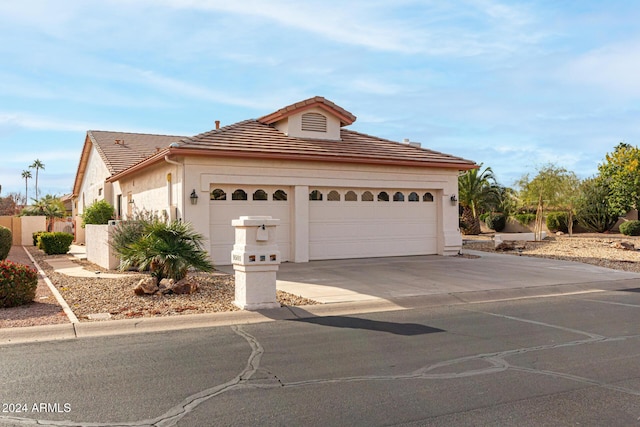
29 225
92 187
98 249
157 190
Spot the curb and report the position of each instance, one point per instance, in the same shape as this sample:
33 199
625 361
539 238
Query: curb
65 307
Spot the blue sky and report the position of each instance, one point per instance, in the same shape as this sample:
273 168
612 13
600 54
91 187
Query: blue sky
511 84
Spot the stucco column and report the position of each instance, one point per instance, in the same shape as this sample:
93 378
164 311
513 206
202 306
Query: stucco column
301 223
452 239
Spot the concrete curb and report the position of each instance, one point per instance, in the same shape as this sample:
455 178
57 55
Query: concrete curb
65 307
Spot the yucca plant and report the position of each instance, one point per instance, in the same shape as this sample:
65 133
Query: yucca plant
167 250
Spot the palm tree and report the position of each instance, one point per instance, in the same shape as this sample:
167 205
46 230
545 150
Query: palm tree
37 164
475 189
26 175
48 206
166 250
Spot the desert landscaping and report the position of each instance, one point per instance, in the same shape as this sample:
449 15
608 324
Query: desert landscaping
101 298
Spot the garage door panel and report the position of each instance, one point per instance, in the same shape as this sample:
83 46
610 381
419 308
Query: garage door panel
222 212
340 229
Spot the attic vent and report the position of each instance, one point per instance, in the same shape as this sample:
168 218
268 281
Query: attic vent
314 122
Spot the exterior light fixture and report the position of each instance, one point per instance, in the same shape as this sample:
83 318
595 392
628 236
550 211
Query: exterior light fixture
454 199
194 197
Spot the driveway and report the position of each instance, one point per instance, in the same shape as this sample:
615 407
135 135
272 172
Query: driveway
398 277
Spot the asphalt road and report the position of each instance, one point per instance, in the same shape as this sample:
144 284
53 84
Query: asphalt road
569 360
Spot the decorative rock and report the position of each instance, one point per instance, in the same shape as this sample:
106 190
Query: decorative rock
627 246
146 286
184 286
165 286
559 233
510 245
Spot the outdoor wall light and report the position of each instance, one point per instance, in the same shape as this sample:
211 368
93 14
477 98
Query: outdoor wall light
454 200
194 197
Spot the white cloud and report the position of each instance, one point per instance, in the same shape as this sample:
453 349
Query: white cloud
29 121
613 68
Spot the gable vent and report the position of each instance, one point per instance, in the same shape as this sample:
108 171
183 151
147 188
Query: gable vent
314 122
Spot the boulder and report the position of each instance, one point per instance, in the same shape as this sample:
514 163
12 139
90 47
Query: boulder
146 286
184 287
165 286
511 245
627 246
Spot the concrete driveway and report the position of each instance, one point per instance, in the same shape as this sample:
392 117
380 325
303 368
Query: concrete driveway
397 277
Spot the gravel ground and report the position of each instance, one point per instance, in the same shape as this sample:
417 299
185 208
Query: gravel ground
216 292
589 248
90 296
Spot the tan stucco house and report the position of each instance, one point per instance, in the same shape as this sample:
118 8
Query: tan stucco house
338 193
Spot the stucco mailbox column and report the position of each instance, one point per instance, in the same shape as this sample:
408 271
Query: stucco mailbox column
255 259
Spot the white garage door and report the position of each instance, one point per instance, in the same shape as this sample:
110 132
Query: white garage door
231 202
346 223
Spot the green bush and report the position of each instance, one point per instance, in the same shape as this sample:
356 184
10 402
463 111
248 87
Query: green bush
483 217
525 218
99 213
18 284
558 221
592 208
6 240
56 243
630 228
496 221
36 236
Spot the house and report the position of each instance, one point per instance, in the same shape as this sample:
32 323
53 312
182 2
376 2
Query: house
338 193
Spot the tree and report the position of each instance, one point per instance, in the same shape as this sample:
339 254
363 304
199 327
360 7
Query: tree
50 206
9 204
37 165
167 250
26 174
475 190
592 208
621 170
553 187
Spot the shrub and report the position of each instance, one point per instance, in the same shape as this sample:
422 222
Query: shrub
525 218
56 243
36 238
483 217
99 213
6 240
558 221
630 228
496 221
18 284
592 209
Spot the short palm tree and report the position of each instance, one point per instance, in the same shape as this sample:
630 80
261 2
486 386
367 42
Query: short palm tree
167 250
475 189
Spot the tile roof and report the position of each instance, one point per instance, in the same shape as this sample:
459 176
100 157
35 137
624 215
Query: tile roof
131 149
346 118
251 136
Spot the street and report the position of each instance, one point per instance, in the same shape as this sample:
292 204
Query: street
573 359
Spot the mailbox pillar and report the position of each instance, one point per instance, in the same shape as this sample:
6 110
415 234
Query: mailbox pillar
255 259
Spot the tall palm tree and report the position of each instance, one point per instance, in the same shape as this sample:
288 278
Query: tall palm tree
475 189
26 175
37 165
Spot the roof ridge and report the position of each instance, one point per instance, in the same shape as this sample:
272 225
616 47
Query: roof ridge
135 133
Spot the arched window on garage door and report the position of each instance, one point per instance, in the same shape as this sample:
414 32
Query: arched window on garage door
260 195
428 197
351 196
315 195
398 197
218 194
413 197
367 196
280 195
239 195
333 196
383 196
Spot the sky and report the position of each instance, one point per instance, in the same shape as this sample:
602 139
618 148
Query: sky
513 85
